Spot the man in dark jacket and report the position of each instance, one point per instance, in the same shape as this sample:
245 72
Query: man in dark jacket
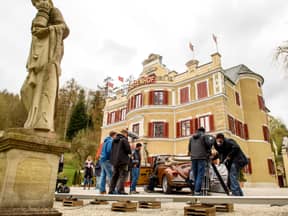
232 156
120 160
135 169
199 150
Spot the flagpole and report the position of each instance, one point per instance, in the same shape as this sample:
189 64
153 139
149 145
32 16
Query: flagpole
216 43
192 49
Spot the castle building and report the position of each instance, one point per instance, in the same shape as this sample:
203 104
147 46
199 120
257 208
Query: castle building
165 108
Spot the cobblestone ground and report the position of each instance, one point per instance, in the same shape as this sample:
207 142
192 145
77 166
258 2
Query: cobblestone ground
176 209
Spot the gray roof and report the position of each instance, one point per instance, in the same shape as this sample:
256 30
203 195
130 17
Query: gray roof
233 73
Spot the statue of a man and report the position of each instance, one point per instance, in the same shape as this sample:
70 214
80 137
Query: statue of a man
39 91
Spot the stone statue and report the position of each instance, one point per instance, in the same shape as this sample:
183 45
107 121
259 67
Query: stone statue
39 91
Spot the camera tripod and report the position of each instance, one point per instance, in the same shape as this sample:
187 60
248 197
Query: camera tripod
205 183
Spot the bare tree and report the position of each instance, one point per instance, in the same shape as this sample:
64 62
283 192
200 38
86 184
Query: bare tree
281 54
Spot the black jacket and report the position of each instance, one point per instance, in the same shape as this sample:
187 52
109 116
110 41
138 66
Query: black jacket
120 151
136 158
198 147
231 149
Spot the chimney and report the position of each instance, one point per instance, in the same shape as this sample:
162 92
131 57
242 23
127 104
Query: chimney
216 60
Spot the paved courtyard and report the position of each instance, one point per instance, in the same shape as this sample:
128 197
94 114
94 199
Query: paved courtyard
175 209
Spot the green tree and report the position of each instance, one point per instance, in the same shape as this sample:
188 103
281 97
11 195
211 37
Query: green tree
79 118
13 113
67 98
281 54
82 146
277 130
96 113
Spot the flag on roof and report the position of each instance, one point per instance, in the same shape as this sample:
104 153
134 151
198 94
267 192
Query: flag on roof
191 47
121 79
214 38
110 84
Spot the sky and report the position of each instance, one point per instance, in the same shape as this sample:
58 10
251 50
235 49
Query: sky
112 38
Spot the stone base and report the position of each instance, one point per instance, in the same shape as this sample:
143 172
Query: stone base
29 212
28 170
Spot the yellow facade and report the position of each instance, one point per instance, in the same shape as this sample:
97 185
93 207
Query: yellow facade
222 100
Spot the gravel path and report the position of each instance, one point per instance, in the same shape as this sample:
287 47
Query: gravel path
177 209
167 209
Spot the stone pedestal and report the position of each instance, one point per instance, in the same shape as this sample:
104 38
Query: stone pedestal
28 171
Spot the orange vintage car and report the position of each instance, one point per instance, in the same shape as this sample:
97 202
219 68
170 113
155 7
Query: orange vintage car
171 172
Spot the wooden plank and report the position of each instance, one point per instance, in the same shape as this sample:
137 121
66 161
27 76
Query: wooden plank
72 203
99 202
150 205
126 206
224 207
200 209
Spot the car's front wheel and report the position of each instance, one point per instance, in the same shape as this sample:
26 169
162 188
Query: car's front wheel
167 189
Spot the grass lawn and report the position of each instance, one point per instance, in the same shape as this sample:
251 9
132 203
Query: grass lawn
69 172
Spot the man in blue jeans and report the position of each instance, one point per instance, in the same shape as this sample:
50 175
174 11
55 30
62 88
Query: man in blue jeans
233 157
106 166
135 170
199 151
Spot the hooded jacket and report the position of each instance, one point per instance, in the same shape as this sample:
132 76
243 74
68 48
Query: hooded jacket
120 151
231 149
198 147
106 149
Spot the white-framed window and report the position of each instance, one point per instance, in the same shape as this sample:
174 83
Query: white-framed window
136 128
158 129
185 127
205 122
123 114
158 97
113 117
138 100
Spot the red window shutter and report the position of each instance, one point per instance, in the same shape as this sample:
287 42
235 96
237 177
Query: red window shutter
133 103
141 99
150 129
202 89
266 133
184 95
249 166
166 129
128 105
165 95
178 129
271 166
194 125
241 130
119 114
151 97
116 116
246 132
261 103
237 96
230 123
211 123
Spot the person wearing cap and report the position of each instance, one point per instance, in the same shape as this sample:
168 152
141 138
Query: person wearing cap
120 159
233 157
199 150
135 170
